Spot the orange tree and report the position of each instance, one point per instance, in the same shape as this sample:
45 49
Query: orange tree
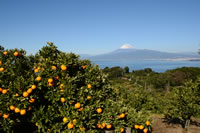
138 119
184 103
15 73
72 93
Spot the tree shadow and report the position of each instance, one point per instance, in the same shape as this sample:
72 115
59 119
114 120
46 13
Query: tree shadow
178 121
169 121
194 122
25 128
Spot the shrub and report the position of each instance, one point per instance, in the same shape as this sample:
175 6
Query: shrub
184 103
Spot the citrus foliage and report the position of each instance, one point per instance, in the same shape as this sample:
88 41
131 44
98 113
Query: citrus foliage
184 102
15 79
60 93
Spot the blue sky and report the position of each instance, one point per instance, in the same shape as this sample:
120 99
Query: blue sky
100 26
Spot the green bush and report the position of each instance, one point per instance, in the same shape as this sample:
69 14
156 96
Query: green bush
183 103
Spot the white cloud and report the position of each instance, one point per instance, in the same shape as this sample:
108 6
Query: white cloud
126 46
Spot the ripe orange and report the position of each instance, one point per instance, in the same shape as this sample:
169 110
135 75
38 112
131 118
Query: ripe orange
4 91
63 67
25 94
1 69
12 107
122 115
89 86
36 124
33 87
29 90
74 121
16 54
50 80
32 100
36 70
22 112
99 110
141 127
42 69
61 86
80 109
0 62
109 126
65 119
51 84
145 130
5 52
77 105
98 125
82 128
62 99
103 125
147 123
57 77
122 130
53 67
16 94
38 78
1 89
29 108
83 67
17 110
70 125
5 116
89 97
136 126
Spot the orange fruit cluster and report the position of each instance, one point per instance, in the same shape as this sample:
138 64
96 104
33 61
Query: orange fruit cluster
17 110
141 127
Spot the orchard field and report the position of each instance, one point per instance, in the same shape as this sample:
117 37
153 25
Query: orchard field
54 91
171 97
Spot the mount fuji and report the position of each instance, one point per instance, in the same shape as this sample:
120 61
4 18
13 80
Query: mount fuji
127 52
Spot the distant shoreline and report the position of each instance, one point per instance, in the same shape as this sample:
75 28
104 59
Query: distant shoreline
184 59
169 59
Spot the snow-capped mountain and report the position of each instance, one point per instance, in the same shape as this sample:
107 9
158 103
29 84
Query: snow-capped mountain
127 52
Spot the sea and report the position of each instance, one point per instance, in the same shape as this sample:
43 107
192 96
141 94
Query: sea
155 65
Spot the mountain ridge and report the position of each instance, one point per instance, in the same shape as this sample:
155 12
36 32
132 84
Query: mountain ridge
142 54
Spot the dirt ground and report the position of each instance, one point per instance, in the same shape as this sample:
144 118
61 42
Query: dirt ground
160 125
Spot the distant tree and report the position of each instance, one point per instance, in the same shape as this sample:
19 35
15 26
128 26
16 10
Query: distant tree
133 71
148 70
114 72
126 69
137 98
106 70
184 102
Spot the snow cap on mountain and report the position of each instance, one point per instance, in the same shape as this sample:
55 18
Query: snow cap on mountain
126 46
